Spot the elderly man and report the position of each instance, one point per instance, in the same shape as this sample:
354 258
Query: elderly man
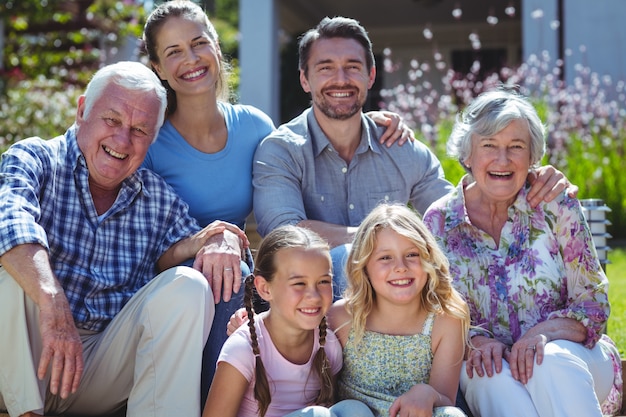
94 313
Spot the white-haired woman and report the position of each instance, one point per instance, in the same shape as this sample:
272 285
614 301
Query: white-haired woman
531 276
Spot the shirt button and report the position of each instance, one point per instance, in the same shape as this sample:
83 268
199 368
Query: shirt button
386 198
351 206
321 198
344 170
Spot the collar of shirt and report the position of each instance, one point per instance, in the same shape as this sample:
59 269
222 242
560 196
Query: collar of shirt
320 141
131 186
456 204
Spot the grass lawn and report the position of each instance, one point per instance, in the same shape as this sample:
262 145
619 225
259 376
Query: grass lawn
616 272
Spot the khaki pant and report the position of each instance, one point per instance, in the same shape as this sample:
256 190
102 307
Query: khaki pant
149 356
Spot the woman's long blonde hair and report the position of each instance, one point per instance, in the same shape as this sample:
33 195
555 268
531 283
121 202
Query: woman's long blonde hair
438 294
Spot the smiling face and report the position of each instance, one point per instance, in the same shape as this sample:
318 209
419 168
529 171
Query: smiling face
114 137
500 163
300 292
395 268
188 59
337 77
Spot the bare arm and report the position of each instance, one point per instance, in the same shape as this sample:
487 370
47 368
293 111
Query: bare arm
448 350
226 392
447 345
339 321
62 349
334 234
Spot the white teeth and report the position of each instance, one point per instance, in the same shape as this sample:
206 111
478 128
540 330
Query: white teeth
194 74
341 95
501 174
310 310
113 153
401 282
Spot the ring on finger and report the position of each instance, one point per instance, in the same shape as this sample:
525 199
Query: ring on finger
533 348
228 269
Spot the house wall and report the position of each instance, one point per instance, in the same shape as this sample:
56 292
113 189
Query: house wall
406 47
259 58
594 34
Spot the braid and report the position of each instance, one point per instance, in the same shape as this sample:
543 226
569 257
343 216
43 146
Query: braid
321 365
261 386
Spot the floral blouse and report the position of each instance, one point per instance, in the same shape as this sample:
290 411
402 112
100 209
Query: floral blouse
544 267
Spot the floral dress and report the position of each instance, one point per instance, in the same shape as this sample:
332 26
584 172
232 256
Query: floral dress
545 266
382 367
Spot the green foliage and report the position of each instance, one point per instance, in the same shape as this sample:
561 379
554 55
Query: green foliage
616 272
65 40
596 165
40 107
52 47
451 167
228 11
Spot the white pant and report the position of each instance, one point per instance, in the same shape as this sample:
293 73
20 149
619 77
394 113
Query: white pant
571 381
149 354
345 408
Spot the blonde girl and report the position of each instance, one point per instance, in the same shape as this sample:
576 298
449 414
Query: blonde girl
284 362
402 325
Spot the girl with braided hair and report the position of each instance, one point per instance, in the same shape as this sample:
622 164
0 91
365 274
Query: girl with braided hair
284 362
401 324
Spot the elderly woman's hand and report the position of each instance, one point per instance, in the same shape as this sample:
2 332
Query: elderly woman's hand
485 357
524 354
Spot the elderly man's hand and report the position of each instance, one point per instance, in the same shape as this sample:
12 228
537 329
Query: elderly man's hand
62 349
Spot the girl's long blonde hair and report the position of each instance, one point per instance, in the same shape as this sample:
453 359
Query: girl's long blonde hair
438 295
283 238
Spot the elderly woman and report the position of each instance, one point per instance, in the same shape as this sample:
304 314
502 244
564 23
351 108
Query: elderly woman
536 290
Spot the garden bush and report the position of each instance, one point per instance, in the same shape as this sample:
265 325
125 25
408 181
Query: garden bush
39 107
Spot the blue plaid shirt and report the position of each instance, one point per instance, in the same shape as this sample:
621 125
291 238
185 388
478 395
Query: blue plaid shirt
100 261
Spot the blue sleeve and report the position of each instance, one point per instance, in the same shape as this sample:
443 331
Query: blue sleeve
23 170
262 121
277 173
